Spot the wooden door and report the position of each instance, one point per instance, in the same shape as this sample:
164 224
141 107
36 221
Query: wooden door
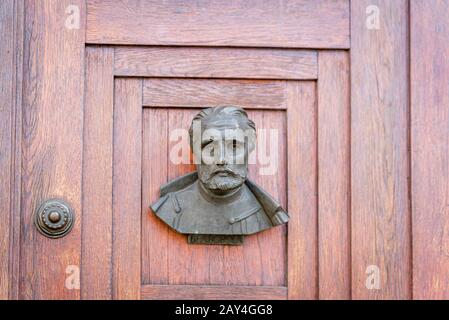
94 90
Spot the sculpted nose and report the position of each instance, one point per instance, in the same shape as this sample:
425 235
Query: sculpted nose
221 161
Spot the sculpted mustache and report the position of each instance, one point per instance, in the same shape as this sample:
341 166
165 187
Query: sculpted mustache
224 170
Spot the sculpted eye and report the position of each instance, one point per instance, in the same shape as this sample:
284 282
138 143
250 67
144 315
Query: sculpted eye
206 143
209 148
234 144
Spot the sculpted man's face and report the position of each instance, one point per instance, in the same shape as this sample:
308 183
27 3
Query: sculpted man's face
226 140
224 164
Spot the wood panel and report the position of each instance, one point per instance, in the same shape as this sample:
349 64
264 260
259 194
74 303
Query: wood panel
215 63
52 145
7 94
333 178
154 174
213 292
16 160
249 94
379 157
302 191
127 156
272 23
430 148
167 258
97 175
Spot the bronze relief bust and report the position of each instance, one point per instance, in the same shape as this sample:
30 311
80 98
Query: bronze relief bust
218 204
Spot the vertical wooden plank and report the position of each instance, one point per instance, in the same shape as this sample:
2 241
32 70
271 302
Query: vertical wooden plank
7 93
379 157
16 161
430 148
96 252
302 191
333 176
52 144
155 233
126 226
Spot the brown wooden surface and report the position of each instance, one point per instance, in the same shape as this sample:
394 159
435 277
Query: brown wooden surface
16 144
215 63
55 123
126 190
268 94
333 178
150 292
166 256
430 147
52 144
302 191
379 159
272 23
97 175
155 233
7 94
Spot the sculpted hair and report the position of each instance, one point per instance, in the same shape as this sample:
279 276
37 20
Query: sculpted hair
209 113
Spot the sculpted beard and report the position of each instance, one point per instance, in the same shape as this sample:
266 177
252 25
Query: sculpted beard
214 181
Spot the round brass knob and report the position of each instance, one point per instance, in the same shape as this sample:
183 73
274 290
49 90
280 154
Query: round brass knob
54 218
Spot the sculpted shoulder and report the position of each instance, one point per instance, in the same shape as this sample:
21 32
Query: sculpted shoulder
169 206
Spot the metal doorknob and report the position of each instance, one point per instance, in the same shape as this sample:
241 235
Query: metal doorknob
54 218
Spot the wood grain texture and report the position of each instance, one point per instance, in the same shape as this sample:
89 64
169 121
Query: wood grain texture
7 84
272 23
162 292
333 178
215 63
379 156
16 160
127 156
302 191
167 257
155 233
430 148
97 175
250 94
52 145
